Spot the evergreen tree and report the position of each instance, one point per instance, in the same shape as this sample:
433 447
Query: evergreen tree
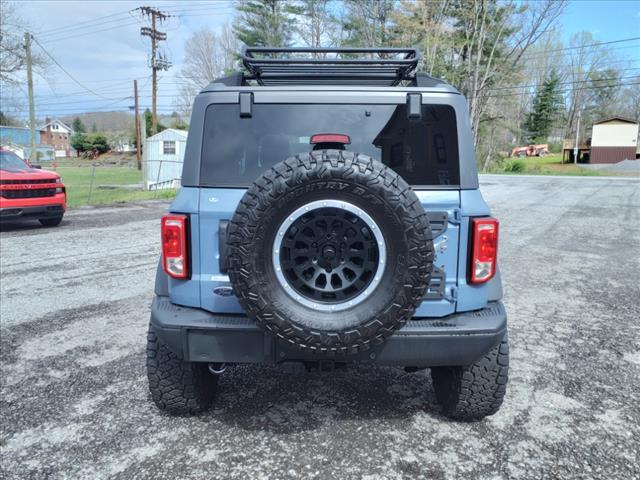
547 104
78 126
264 23
148 124
368 23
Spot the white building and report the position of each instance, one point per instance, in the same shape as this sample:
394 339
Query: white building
163 157
613 140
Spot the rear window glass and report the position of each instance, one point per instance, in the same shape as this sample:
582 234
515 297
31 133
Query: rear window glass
237 150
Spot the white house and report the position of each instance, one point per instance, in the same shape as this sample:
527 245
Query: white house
163 157
613 140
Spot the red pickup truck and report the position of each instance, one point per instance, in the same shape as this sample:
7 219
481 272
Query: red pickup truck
28 192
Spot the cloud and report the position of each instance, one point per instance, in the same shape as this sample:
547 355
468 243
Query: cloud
99 44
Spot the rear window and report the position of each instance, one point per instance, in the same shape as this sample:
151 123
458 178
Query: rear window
237 150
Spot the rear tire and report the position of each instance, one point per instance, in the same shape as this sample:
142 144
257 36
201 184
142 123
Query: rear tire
50 222
475 391
176 386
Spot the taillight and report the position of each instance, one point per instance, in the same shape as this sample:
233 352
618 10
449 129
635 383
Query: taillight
484 243
175 260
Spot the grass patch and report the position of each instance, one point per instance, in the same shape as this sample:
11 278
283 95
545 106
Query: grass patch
547 165
76 176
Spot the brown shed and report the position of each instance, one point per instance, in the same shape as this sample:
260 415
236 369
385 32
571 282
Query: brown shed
613 140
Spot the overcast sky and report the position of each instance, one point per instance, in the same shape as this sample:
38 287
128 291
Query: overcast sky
99 44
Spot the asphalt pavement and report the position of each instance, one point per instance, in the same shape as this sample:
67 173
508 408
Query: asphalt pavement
74 308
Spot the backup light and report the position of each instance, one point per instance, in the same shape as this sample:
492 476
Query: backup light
174 245
484 257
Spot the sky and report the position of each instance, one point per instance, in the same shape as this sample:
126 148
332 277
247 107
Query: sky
99 44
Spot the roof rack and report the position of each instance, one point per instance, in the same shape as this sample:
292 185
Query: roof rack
330 66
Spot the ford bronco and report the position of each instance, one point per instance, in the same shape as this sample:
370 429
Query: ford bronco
329 213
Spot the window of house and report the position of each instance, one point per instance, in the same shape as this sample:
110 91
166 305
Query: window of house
169 147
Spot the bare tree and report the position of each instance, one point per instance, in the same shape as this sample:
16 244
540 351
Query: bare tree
208 55
315 24
12 51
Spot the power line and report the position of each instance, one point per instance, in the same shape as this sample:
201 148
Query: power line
66 72
597 44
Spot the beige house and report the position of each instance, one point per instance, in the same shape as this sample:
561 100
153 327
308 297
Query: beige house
613 140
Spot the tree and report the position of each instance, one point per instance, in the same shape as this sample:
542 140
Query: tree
83 142
78 126
148 124
315 25
8 120
94 128
207 56
99 142
605 91
264 23
12 51
547 104
368 23
425 24
79 142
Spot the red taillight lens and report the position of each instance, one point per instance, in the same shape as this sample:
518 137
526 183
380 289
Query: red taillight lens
484 243
330 138
174 245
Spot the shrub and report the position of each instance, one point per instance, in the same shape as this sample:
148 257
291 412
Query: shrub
510 166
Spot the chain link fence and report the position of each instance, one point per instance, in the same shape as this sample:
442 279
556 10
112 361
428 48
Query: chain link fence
96 183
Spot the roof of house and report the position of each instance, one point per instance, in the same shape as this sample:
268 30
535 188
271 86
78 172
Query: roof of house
169 133
620 119
44 127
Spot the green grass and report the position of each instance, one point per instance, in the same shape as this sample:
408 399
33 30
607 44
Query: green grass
547 165
76 176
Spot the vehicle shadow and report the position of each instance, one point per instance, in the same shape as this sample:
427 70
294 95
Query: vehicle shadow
27 226
283 400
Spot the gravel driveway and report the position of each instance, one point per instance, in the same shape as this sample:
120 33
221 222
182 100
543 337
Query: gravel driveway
74 402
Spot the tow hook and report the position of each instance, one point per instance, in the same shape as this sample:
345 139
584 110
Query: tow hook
217 368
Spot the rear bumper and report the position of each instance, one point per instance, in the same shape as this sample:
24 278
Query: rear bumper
199 336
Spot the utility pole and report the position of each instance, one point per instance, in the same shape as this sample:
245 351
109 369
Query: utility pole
158 61
32 106
576 149
137 120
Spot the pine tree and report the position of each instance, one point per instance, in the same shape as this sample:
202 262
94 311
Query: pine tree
264 23
547 105
78 126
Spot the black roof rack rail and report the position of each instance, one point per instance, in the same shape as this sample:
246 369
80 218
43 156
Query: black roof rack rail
330 66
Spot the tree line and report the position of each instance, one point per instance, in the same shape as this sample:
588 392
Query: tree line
521 83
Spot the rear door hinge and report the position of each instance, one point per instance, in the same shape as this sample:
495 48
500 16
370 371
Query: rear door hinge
451 294
456 217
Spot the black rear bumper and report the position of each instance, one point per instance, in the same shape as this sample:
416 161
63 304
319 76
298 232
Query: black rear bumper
40 211
199 336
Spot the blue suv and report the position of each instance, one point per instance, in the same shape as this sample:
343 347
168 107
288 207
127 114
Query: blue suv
329 214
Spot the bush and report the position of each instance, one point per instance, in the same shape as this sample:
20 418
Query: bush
510 166
514 166
83 142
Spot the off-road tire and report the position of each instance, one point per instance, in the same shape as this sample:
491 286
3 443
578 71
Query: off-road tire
176 386
475 391
336 175
50 222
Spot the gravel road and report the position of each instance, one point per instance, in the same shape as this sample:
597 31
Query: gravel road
74 402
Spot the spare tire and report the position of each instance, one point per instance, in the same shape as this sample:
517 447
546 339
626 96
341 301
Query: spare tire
330 251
